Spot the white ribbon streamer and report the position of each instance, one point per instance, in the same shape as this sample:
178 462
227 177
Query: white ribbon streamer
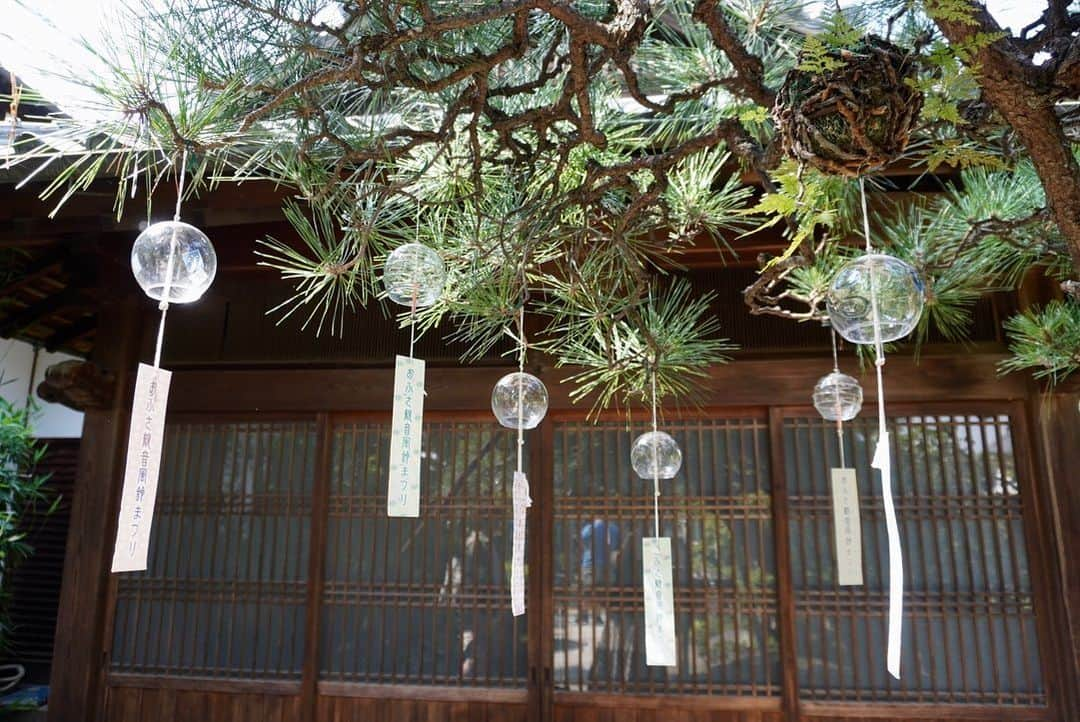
883 462
522 501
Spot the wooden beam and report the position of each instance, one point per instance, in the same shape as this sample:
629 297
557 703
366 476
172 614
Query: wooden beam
29 315
48 260
769 382
891 712
76 686
72 332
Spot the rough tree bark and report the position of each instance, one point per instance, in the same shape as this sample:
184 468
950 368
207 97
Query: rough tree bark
1025 94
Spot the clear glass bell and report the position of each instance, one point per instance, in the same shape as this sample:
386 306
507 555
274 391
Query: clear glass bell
179 249
524 389
656 454
414 274
896 286
838 397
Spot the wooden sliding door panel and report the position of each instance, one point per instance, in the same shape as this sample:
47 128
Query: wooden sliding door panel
425 600
388 709
659 710
149 704
272 594
223 594
717 512
969 631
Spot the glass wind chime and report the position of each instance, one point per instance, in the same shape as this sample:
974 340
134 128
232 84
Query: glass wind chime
173 262
873 300
519 401
838 397
413 276
656 455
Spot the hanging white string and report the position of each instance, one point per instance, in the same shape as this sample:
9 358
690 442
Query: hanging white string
166 291
416 287
521 387
656 459
882 461
839 409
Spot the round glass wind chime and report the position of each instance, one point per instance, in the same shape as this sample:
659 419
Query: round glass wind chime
656 455
414 276
173 262
838 397
873 300
519 401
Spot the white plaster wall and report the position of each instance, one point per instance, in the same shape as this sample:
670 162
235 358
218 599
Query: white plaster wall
16 360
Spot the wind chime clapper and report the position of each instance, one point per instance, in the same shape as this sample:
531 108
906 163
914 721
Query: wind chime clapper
173 262
656 455
413 276
519 401
873 300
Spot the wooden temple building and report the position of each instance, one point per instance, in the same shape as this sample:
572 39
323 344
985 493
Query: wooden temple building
278 589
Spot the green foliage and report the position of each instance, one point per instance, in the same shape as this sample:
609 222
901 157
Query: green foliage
335 271
960 11
21 490
817 57
808 202
566 178
701 199
957 153
819 52
1045 340
670 335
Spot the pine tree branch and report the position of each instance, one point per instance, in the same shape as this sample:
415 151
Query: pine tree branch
749 69
1019 91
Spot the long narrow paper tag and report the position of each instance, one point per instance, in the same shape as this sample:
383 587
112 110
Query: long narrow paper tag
659 602
145 438
403 492
522 501
883 461
847 528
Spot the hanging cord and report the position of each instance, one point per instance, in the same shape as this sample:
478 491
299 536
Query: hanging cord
656 459
879 349
416 288
166 292
521 385
836 390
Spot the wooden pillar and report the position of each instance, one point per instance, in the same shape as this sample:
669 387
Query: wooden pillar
76 686
540 612
789 691
320 521
1057 448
